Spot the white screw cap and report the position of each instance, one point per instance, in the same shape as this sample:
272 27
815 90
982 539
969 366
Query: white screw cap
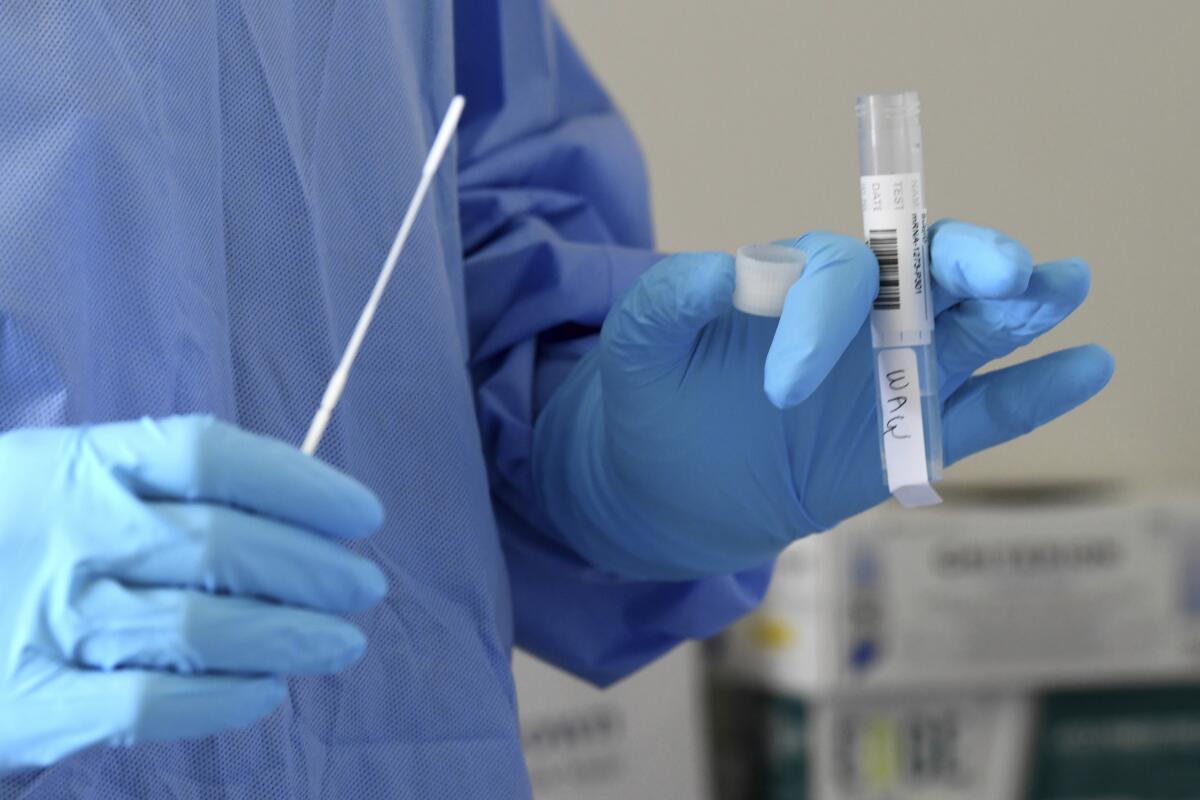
764 274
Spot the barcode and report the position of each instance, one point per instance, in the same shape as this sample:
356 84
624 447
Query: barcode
885 246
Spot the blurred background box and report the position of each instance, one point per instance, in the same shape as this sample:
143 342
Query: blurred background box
1134 743
1002 587
1019 642
643 738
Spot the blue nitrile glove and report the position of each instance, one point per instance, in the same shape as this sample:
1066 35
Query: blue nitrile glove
158 579
662 456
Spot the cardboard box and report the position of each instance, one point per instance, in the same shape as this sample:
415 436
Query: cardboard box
953 747
1132 743
643 737
1002 589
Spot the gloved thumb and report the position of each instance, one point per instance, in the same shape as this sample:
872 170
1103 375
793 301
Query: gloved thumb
656 323
822 314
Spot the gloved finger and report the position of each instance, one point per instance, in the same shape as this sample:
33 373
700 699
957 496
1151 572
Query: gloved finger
81 708
220 549
655 324
972 261
117 626
201 458
977 331
1002 405
823 312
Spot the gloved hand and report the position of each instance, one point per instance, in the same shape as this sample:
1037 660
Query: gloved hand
696 439
159 579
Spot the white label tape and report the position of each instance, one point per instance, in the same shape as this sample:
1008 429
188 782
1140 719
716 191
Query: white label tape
903 428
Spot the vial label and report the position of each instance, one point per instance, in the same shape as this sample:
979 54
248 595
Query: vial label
894 222
903 428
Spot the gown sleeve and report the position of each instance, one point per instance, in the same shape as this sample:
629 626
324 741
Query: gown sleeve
556 225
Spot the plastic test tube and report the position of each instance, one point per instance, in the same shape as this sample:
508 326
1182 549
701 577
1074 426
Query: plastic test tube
894 221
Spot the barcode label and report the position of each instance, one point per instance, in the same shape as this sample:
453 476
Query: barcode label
885 244
894 229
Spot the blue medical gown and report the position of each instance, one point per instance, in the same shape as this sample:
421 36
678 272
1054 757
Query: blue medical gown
195 198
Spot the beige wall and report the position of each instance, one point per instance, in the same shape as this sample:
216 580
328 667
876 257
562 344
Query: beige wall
1073 126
